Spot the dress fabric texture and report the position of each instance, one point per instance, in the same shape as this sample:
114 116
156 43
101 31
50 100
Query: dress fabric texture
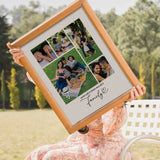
104 141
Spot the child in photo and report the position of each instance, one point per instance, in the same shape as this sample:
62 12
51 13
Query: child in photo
86 49
71 62
64 41
57 45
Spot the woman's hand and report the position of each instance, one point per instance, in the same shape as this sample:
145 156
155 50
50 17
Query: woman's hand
17 54
136 92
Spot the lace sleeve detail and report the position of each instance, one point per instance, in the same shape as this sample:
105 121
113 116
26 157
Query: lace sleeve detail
113 120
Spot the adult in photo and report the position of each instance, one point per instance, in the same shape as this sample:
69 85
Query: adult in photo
106 67
64 41
84 39
73 64
43 60
58 47
48 50
77 39
97 71
104 140
60 79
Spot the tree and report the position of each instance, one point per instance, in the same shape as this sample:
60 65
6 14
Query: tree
3 10
153 79
141 79
16 14
5 59
156 61
41 102
29 19
14 91
3 88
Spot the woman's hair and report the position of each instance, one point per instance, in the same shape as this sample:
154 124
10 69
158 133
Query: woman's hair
103 60
62 34
54 40
68 68
94 65
58 63
72 57
102 74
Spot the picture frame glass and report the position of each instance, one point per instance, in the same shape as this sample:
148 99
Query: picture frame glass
68 58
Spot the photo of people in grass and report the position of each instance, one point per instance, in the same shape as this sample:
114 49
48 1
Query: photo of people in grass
60 43
70 76
101 69
83 41
44 54
72 61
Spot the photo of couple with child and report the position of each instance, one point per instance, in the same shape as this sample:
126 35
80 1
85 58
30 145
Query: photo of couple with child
83 41
66 70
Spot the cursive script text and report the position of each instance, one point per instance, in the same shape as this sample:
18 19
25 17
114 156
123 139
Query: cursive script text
99 95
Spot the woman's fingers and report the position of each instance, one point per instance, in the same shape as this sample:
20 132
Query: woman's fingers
18 55
131 96
136 92
17 59
15 50
9 45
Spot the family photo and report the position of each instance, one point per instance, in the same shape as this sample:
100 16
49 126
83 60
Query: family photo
70 76
44 54
83 41
101 69
60 43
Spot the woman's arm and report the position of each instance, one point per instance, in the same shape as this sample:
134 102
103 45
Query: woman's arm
46 58
114 119
99 78
46 50
17 55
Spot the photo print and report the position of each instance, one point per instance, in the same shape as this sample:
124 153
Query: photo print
83 41
44 54
60 43
101 69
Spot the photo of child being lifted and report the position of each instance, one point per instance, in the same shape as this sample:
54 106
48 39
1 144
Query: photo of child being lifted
70 76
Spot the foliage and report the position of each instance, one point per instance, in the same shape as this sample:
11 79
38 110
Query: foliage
137 35
14 91
142 79
3 88
5 59
41 102
152 82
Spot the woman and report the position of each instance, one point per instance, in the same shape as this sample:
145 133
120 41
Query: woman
103 141
97 71
60 78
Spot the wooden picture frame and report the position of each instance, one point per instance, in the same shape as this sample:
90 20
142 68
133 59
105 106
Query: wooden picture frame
92 96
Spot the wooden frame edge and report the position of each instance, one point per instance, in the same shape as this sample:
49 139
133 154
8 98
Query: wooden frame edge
109 42
46 93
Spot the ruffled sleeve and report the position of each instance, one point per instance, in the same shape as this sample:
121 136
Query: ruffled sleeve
113 120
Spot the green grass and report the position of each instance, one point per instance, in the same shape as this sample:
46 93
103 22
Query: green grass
23 131
94 55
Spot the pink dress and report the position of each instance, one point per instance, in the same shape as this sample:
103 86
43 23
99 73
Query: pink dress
103 141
